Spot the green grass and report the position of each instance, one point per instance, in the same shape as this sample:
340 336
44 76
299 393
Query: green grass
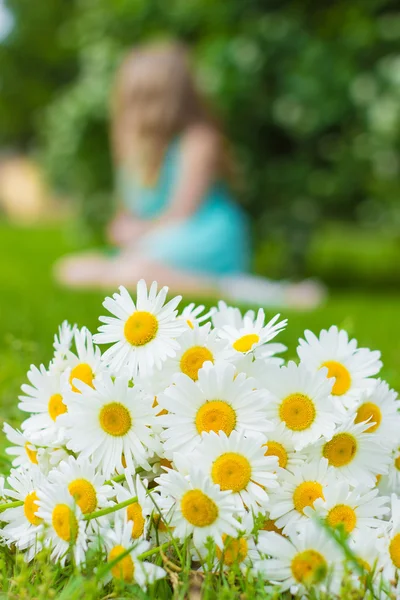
32 306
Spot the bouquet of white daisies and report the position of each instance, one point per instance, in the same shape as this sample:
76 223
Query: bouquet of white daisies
189 430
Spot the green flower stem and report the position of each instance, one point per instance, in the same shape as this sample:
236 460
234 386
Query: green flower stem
116 479
11 505
110 509
154 551
121 477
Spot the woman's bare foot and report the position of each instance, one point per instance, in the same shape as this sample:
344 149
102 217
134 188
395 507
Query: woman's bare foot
256 290
81 270
305 295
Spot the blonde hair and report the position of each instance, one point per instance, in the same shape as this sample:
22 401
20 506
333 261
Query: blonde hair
154 99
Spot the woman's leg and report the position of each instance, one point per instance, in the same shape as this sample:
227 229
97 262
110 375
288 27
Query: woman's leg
97 271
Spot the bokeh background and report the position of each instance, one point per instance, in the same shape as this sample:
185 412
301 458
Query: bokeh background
309 94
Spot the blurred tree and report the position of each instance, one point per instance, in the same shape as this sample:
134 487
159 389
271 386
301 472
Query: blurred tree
310 97
35 59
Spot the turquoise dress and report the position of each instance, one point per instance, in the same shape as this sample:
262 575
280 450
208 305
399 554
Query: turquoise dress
215 240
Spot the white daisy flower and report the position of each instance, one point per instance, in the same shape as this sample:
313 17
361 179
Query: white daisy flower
390 483
65 529
24 526
280 444
309 559
50 457
391 542
355 455
62 346
86 364
44 398
197 346
2 484
301 401
354 510
201 508
85 484
193 316
25 453
257 368
224 315
111 425
351 367
238 552
298 490
253 336
143 334
221 400
238 464
368 547
160 530
265 523
380 409
140 511
130 568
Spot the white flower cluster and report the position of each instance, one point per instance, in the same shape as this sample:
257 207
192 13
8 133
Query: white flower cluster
189 429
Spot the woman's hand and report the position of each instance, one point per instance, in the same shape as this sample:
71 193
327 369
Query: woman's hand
125 230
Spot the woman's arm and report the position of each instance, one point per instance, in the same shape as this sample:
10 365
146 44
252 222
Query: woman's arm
198 169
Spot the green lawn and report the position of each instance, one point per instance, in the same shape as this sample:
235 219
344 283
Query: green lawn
32 306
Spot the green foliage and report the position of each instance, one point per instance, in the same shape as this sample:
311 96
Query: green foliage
343 256
310 98
35 59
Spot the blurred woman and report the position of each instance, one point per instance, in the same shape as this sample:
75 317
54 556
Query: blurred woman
177 221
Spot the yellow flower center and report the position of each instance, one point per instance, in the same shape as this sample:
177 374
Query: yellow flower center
342 377
234 552
160 524
341 514
305 495
269 525
124 569
340 450
140 328
246 342
369 412
276 449
135 514
56 406
231 471
84 495
30 508
216 415
198 509
64 523
31 454
297 411
394 550
397 463
309 567
84 373
164 462
115 419
193 359
364 564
